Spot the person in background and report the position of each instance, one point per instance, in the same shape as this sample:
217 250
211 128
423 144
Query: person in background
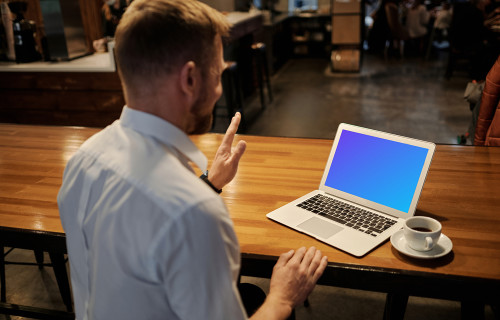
379 32
417 20
387 32
147 238
111 12
443 21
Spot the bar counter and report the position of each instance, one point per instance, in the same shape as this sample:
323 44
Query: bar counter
462 192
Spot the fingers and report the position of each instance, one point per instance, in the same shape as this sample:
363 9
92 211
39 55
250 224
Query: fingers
231 130
312 261
284 258
227 159
308 257
321 268
235 122
295 275
298 256
239 150
317 265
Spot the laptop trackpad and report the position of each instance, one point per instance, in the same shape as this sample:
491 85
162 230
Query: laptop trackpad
319 227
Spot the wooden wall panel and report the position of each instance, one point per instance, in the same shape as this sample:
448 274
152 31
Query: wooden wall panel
61 100
59 118
92 21
78 99
60 80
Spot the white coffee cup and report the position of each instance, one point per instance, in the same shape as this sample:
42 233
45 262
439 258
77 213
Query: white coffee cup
422 233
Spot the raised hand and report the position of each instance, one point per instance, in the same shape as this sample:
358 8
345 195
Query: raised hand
227 158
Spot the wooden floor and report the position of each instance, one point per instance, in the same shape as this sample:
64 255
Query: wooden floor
407 97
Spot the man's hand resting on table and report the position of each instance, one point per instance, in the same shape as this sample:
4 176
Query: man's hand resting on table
294 277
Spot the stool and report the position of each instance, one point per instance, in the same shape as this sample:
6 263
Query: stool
58 262
259 52
430 43
233 94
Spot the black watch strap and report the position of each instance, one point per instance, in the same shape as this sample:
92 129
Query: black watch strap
204 177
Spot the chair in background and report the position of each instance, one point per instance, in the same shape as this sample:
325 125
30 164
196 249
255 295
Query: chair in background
58 262
440 28
233 95
487 130
398 33
259 53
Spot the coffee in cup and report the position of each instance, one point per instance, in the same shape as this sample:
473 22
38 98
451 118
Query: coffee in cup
421 233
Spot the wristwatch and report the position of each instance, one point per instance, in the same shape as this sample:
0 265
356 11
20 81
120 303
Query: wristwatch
204 177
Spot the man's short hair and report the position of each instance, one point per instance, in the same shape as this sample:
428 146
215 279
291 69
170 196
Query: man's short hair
156 37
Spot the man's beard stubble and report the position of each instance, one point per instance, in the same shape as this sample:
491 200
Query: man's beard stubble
201 124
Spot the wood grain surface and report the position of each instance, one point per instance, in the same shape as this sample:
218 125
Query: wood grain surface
92 99
462 191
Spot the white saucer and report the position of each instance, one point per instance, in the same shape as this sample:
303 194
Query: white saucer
442 248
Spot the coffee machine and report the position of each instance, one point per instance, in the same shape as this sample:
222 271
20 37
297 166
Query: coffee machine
24 34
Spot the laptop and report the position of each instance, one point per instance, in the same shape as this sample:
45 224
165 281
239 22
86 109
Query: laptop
371 184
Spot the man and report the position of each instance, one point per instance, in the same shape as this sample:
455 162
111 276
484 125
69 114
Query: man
148 239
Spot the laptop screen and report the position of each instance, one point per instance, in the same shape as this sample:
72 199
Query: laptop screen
380 170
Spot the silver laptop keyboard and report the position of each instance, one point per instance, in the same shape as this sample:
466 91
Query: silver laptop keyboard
357 218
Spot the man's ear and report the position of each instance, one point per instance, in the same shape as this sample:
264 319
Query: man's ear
189 80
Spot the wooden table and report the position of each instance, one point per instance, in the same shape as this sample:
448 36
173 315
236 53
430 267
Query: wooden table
462 191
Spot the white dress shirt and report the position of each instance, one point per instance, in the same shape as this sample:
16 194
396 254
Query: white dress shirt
146 238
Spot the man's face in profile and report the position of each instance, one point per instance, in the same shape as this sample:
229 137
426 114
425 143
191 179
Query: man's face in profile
202 111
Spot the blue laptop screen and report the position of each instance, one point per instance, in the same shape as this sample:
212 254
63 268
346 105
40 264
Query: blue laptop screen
376 169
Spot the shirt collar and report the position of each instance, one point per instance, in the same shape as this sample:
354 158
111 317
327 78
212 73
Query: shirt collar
165 132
